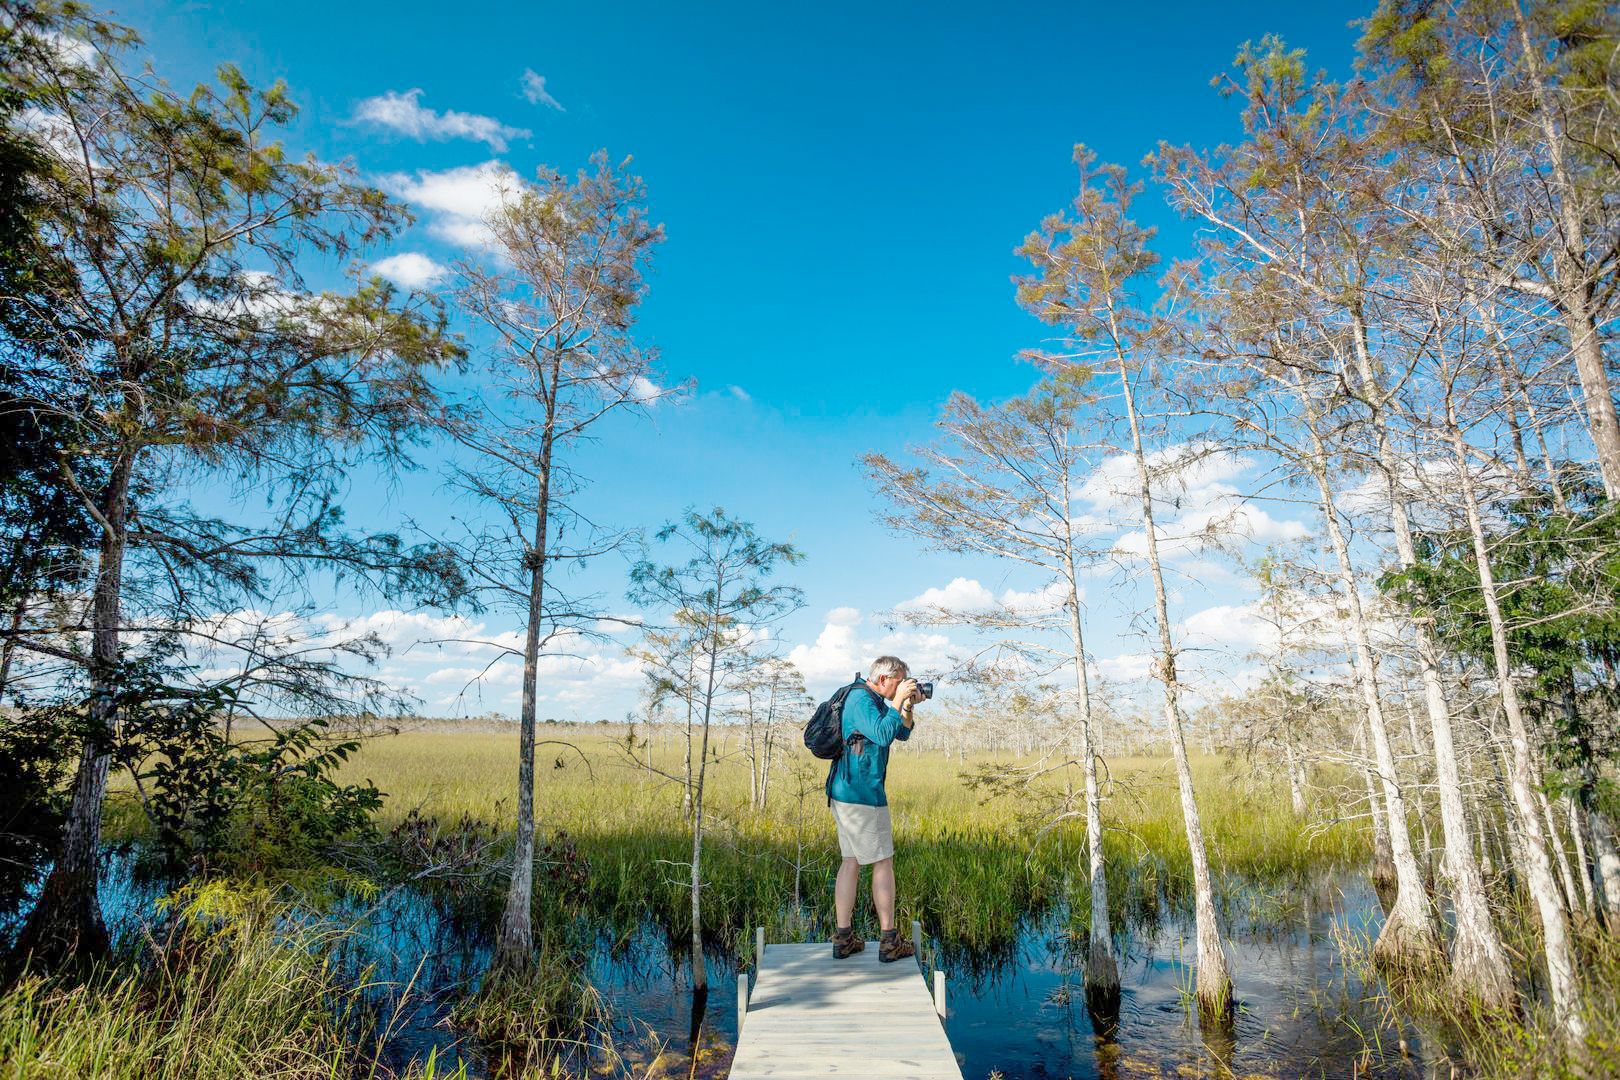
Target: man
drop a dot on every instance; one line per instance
(861, 808)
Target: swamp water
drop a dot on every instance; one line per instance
(1017, 1012)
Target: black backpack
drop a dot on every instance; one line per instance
(824, 734)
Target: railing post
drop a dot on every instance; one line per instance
(916, 938)
(742, 999)
(939, 994)
(759, 946)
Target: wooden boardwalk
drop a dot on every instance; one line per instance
(812, 1016)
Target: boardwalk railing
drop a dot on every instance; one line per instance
(812, 1016)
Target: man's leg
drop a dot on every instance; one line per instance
(849, 880)
(891, 946)
(882, 892)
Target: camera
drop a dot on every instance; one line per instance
(927, 689)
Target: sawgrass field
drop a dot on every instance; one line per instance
(972, 860)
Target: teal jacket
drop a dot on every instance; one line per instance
(870, 726)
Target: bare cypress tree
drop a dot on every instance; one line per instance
(770, 689)
(1457, 364)
(1086, 270)
(1002, 482)
(1305, 201)
(557, 308)
(717, 601)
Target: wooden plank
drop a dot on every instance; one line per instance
(812, 1016)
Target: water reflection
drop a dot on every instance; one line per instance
(1020, 1009)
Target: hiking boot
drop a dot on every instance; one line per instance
(893, 947)
(845, 943)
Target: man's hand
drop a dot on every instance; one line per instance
(907, 694)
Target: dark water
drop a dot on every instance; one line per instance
(1019, 1013)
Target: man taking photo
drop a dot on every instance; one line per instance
(860, 806)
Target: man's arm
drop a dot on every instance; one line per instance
(868, 717)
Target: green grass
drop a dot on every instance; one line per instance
(233, 991)
(969, 868)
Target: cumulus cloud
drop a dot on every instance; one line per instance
(839, 650)
(460, 199)
(405, 114)
(962, 594)
(966, 596)
(411, 269)
(535, 92)
(1195, 503)
(1038, 601)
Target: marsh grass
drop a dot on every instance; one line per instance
(1476, 1041)
(238, 987)
(973, 869)
(970, 869)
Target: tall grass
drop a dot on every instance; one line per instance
(970, 869)
(235, 990)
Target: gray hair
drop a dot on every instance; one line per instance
(884, 666)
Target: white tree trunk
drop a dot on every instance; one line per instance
(1102, 970)
(1561, 977)
(1479, 964)
(1411, 934)
(1214, 984)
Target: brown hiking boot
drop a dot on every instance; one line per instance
(893, 947)
(845, 943)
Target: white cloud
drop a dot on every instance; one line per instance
(56, 134)
(1038, 601)
(967, 596)
(1126, 667)
(834, 654)
(839, 651)
(535, 92)
(410, 269)
(739, 393)
(962, 595)
(844, 616)
(461, 199)
(1195, 505)
(405, 114)
(1234, 627)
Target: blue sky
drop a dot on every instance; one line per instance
(843, 187)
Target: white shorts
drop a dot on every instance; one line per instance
(865, 833)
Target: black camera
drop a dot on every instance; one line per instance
(927, 689)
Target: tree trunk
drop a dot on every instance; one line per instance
(514, 942)
(1296, 780)
(1572, 282)
(1561, 978)
(1214, 984)
(1577, 834)
(66, 926)
(1479, 964)
(1383, 864)
(1102, 970)
(1410, 935)
(1418, 806)
(700, 974)
(1605, 867)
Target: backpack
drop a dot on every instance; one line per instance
(824, 734)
